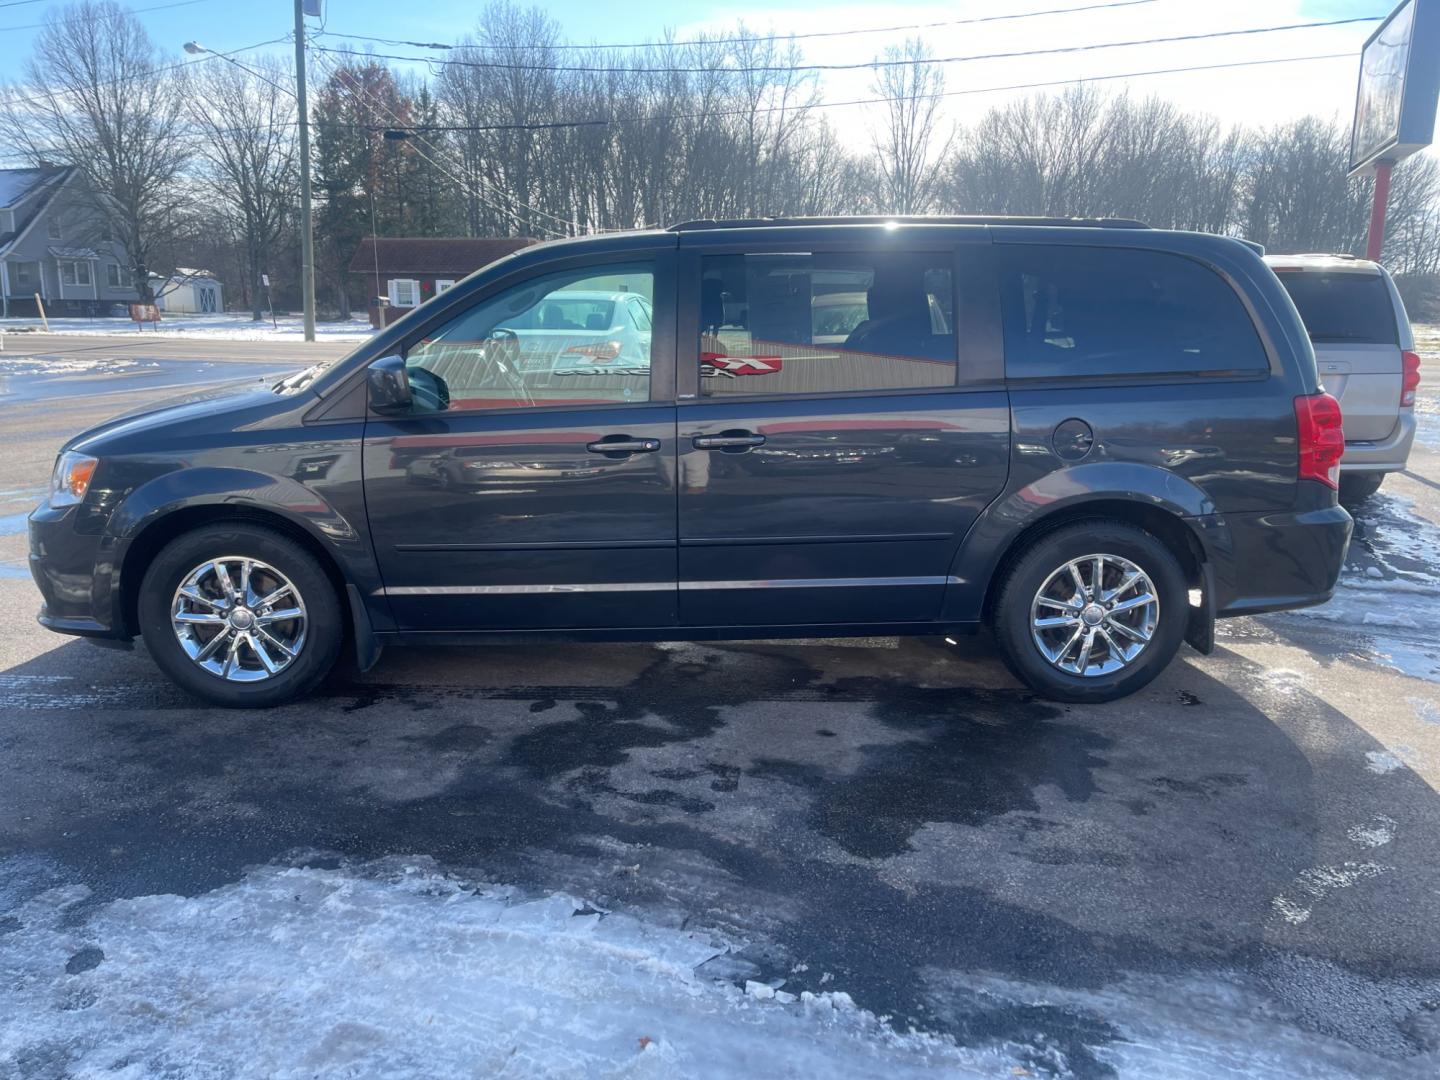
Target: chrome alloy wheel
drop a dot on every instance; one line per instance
(239, 619)
(1094, 615)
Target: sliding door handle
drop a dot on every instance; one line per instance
(729, 440)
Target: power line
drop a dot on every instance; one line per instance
(609, 121)
(767, 68)
(756, 37)
(142, 74)
(20, 3)
(111, 15)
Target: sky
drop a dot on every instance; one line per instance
(1259, 95)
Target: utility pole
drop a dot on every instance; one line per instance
(307, 234)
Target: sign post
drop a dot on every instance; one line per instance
(1395, 101)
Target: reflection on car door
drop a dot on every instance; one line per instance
(838, 447)
(537, 499)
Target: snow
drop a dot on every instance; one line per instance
(396, 969)
(1389, 591)
(231, 327)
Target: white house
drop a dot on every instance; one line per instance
(188, 292)
(52, 243)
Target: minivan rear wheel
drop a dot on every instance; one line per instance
(240, 615)
(1092, 611)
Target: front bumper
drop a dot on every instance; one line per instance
(76, 573)
(1385, 455)
(1275, 561)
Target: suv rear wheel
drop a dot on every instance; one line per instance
(1092, 611)
(1355, 488)
(240, 615)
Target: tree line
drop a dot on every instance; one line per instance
(195, 162)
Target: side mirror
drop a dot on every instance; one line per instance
(389, 385)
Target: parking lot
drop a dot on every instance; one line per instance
(867, 857)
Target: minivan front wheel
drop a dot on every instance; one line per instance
(1092, 612)
(240, 615)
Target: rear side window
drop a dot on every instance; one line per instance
(1342, 307)
(1083, 312)
(815, 324)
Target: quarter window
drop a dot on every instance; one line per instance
(808, 324)
(1120, 312)
(562, 339)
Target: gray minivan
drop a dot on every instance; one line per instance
(1091, 437)
(1366, 356)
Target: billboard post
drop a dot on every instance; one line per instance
(1395, 101)
(1375, 238)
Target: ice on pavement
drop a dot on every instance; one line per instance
(1389, 590)
(396, 970)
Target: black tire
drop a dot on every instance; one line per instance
(1355, 488)
(1051, 552)
(324, 629)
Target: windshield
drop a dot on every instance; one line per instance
(1343, 307)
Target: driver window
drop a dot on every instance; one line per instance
(563, 339)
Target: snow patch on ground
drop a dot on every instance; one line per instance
(34, 365)
(398, 970)
(1378, 832)
(1388, 595)
(1318, 882)
(236, 327)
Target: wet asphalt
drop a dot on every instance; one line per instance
(1252, 840)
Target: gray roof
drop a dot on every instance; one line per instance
(16, 184)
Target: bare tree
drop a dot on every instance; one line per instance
(96, 97)
(910, 141)
(247, 154)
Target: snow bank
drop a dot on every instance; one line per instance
(234, 327)
(398, 970)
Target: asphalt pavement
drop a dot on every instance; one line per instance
(1234, 872)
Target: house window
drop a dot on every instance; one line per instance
(52, 227)
(112, 276)
(404, 292)
(74, 272)
(25, 275)
(441, 284)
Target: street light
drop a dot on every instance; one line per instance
(307, 234)
(194, 48)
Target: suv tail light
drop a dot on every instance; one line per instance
(1410, 380)
(1321, 438)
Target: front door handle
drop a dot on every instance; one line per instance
(728, 440)
(620, 445)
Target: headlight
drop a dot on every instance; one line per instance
(72, 478)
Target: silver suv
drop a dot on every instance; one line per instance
(1366, 356)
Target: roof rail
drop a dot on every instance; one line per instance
(908, 219)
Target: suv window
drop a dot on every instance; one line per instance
(562, 339)
(1090, 311)
(1342, 307)
(814, 324)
